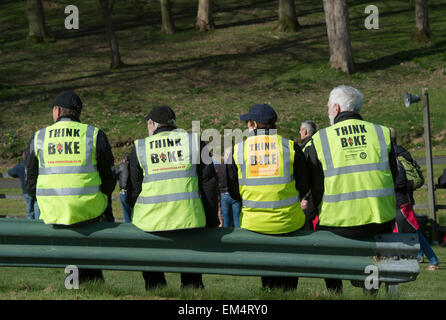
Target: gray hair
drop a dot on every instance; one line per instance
(310, 126)
(348, 98)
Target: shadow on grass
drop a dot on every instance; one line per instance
(399, 57)
(132, 72)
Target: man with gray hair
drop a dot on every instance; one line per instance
(306, 131)
(354, 168)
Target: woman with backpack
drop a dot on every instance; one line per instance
(410, 178)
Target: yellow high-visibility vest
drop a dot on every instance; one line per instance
(270, 201)
(170, 197)
(68, 184)
(358, 183)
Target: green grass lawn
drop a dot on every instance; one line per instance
(39, 283)
(214, 77)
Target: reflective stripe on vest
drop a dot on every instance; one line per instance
(359, 195)
(330, 171)
(358, 184)
(88, 167)
(271, 204)
(192, 172)
(270, 201)
(170, 197)
(68, 194)
(67, 191)
(286, 178)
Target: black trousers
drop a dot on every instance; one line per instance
(356, 232)
(285, 283)
(90, 275)
(157, 279)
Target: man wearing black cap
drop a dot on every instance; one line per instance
(69, 170)
(269, 175)
(170, 188)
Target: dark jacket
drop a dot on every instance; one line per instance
(18, 171)
(104, 158)
(207, 181)
(312, 211)
(317, 173)
(122, 173)
(301, 175)
(222, 178)
(304, 142)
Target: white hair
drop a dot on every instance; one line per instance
(348, 98)
(310, 126)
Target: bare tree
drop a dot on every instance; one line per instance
(287, 16)
(109, 31)
(205, 19)
(337, 20)
(423, 31)
(168, 26)
(36, 21)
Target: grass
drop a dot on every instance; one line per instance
(39, 283)
(216, 76)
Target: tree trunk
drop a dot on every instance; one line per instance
(287, 16)
(423, 31)
(205, 19)
(36, 21)
(168, 26)
(111, 37)
(336, 18)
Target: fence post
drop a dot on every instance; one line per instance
(429, 166)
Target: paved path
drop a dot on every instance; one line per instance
(436, 160)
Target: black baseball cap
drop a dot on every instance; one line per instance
(262, 113)
(67, 100)
(161, 114)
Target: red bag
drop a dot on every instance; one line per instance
(406, 220)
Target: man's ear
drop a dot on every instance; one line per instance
(56, 113)
(337, 108)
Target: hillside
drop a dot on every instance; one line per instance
(215, 76)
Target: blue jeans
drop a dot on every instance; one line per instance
(32, 208)
(425, 248)
(230, 210)
(125, 206)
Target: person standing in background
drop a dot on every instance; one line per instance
(122, 173)
(406, 219)
(230, 208)
(18, 171)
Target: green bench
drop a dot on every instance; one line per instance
(228, 251)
